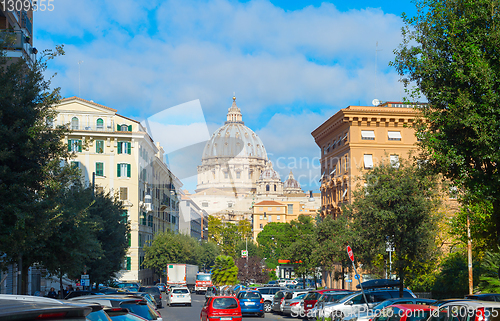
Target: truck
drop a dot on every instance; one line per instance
(203, 282)
(179, 274)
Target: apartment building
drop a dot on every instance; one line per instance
(117, 153)
(193, 219)
(354, 140)
(16, 30)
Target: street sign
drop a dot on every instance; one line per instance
(349, 252)
(244, 253)
(85, 282)
(85, 276)
(356, 276)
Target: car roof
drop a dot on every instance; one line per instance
(25, 309)
(408, 307)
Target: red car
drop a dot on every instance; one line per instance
(312, 297)
(405, 312)
(221, 308)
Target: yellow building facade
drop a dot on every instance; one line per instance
(356, 139)
(117, 153)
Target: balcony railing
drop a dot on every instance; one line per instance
(17, 45)
(87, 127)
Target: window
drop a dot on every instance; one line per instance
(270, 209)
(229, 204)
(75, 164)
(238, 174)
(275, 187)
(124, 148)
(368, 135)
(123, 170)
(150, 220)
(345, 192)
(124, 193)
(75, 145)
(99, 146)
(129, 263)
(143, 218)
(345, 163)
(99, 189)
(100, 124)
(392, 135)
(249, 175)
(270, 218)
(394, 161)
(368, 161)
(260, 226)
(290, 208)
(333, 170)
(99, 169)
(278, 217)
(74, 123)
(124, 128)
(261, 217)
(124, 217)
(226, 175)
(204, 204)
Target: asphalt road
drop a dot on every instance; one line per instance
(192, 313)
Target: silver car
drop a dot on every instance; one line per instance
(292, 306)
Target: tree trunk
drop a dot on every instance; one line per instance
(343, 273)
(496, 217)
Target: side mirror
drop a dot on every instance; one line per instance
(349, 302)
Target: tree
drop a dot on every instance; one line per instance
(169, 247)
(397, 205)
(225, 272)
(30, 151)
(273, 239)
(251, 270)
(450, 51)
(490, 268)
(206, 255)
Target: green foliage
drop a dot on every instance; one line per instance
(273, 239)
(489, 281)
(169, 247)
(450, 51)
(452, 281)
(225, 272)
(29, 159)
(398, 205)
(302, 250)
(228, 235)
(206, 254)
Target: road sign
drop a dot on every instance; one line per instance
(85, 276)
(244, 253)
(356, 276)
(85, 282)
(349, 252)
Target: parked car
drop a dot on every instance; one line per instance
(328, 298)
(405, 312)
(129, 286)
(469, 310)
(120, 314)
(484, 297)
(155, 292)
(221, 308)
(278, 299)
(268, 295)
(292, 306)
(312, 297)
(136, 305)
(366, 316)
(251, 302)
(355, 303)
(179, 295)
(162, 287)
(74, 294)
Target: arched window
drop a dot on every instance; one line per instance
(100, 124)
(74, 123)
(267, 188)
(124, 128)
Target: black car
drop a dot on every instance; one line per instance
(155, 292)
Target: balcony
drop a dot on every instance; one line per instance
(16, 45)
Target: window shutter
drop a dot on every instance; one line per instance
(129, 236)
(79, 145)
(129, 128)
(129, 263)
(118, 173)
(69, 145)
(117, 128)
(119, 147)
(129, 146)
(128, 170)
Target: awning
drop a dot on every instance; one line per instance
(368, 161)
(368, 134)
(394, 135)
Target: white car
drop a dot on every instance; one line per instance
(179, 295)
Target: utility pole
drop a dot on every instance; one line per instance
(469, 253)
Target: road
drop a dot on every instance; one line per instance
(192, 313)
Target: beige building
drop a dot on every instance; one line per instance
(121, 157)
(354, 140)
(18, 40)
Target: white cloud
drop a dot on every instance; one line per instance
(141, 56)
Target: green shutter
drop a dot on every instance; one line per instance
(129, 128)
(129, 236)
(129, 263)
(117, 128)
(128, 170)
(69, 145)
(119, 147)
(79, 145)
(129, 147)
(118, 172)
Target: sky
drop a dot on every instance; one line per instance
(291, 65)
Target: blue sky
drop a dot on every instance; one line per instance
(292, 64)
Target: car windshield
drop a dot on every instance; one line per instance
(249, 295)
(99, 315)
(346, 298)
(153, 290)
(300, 297)
(180, 291)
(383, 304)
(312, 296)
(203, 277)
(141, 310)
(225, 303)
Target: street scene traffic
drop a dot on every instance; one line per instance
(231, 160)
